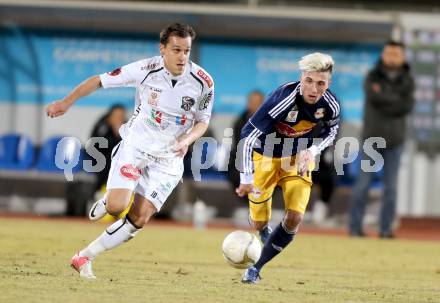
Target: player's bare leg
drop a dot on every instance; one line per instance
(292, 220)
(113, 201)
(141, 211)
(263, 228)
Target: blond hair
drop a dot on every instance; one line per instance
(316, 62)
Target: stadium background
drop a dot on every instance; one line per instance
(47, 47)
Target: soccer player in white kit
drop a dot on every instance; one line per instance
(174, 98)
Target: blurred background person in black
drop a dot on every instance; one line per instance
(108, 127)
(79, 193)
(325, 179)
(255, 99)
(389, 89)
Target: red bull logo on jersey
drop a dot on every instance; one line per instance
(256, 192)
(130, 172)
(205, 77)
(298, 130)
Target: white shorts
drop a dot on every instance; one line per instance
(152, 177)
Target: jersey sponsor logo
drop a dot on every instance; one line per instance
(187, 103)
(150, 158)
(130, 172)
(156, 115)
(165, 188)
(150, 66)
(204, 102)
(320, 113)
(298, 130)
(156, 120)
(205, 77)
(292, 115)
(152, 100)
(115, 72)
(135, 114)
(153, 194)
(153, 96)
(181, 120)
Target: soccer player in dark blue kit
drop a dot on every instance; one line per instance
(278, 147)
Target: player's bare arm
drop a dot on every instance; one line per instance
(60, 107)
(186, 140)
(305, 158)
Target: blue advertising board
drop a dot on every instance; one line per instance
(38, 66)
(240, 68)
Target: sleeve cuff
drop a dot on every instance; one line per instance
(246, 178)
(103, 79)
(314, 150)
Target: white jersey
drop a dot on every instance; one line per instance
(167, 106)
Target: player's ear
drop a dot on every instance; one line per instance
(161, 48)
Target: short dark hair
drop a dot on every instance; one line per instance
(395, 43)
(176, 29)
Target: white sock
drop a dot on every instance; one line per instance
(119, 232)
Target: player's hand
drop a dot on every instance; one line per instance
(244, 189)
(181, 148)
(57, 108)
(304, 159)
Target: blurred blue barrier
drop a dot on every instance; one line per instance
(16, 152)
(68, 152)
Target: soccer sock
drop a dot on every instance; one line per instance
(265, 233)
(265, 228)
(119, 232)
(276, 242)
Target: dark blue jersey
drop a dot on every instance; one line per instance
(285, 124)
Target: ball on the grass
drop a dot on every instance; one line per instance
(241, 249)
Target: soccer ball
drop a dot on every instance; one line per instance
(241, 249)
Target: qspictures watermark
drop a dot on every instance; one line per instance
(207, 153)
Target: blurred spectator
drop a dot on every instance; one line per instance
(205, 155)
(325, 179)
(79, 193)
(108, 128)
(188, 192)
(389, 99)
(255, 99)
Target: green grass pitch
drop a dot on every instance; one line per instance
(175, 264)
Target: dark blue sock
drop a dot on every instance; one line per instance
(276, 242)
